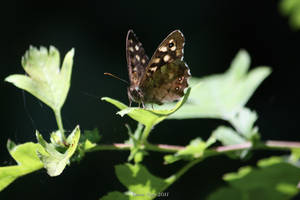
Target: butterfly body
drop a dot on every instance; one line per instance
(161, 79)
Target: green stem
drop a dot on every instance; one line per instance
(59, 123)
(145, 134)
(110, 147)
(126, 147)
(182, 171)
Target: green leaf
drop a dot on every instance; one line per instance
(26, 157)
(139, 181)
(295, 155)
(90, 138)
(56, 139)
(115, 196)
(195, 149)
(228, 136)
(222, 96)
(46, 80)
(54, 161)
(274, 178)
(147, 117)
(291, 8)
(243, 122)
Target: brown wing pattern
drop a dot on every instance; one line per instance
(166, 74)
(137, 59)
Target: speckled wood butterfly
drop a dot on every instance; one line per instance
(161, 79)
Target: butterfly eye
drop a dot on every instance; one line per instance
(171, 44)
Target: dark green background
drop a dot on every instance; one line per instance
(214, 32)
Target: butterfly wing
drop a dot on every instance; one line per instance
(137, 59)
(166, 74)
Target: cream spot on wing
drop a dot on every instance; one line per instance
(163, 49)
(166, 58)
(178, 52)
(131, 49)
(130, 41)
(137, 47)
(143, 61)
(173, 48)
(153, 68)
(181, 79)
(156, 60)
(137, 57)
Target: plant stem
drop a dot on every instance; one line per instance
(145, 134)
(182, 171)
(126, 147)
(165, 148)
(59, 123)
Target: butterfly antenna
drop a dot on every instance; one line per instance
(109, 74)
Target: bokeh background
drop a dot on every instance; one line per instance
(214, 32)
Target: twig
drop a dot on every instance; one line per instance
(270, 144)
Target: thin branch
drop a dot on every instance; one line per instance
(234, 147)
(182, 171)
(282, 144)
(270, 144)
(59, 123)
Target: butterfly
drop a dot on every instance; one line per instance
(160, 79)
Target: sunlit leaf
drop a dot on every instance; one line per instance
(55, 161)
(45, 79)
(222, 96)
(228, 136)
(148, 117)
(291, 8)
(27, 161)
(243, 122)
(139, 181)
(274, 178)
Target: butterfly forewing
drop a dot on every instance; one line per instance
(166, 74)
(170, 49)
(137, 59)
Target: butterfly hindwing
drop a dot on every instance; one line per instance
(137, 59)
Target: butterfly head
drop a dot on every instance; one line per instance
(135, 94)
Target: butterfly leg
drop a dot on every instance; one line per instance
(143, 105)
(129, 98)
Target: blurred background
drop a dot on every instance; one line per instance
(214, 32)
